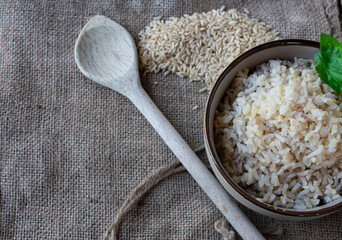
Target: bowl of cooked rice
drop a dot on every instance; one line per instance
(273, 132)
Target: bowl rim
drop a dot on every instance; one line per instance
(211, 145)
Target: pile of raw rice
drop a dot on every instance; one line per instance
(278, 131)
(199, 46)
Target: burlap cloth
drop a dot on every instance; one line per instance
(71, 150)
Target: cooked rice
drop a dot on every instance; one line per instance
(278, 132)
(199, 46)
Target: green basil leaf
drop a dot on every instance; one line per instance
(318, 57)
(327, 79)
(322, 73)
(331, 56)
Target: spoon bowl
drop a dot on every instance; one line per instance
(105, 52)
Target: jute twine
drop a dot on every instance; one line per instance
(138, 193)
(221, 225)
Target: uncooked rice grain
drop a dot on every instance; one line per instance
(278, 133)
(201, 45)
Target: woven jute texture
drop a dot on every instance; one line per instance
(71, 150)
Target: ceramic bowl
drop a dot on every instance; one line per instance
(282, 49)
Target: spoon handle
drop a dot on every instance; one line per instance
(194, 165)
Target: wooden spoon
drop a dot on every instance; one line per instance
(105, 52)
